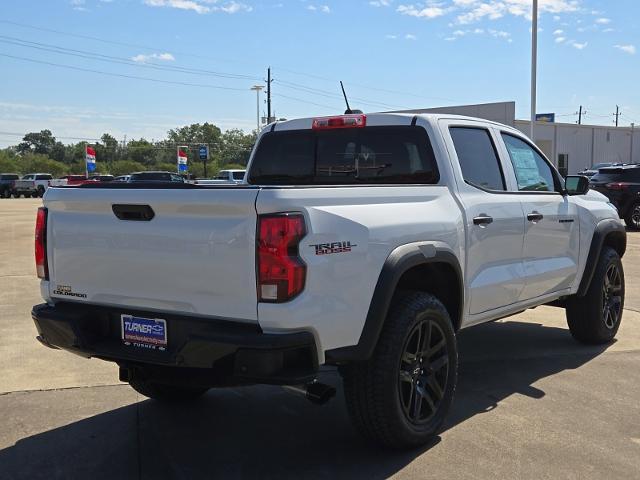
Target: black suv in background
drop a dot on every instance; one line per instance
(6, 183)
(621, 184)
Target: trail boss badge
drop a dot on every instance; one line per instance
(334, 247)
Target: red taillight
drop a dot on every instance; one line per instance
(618, 186)
(281, 271)
(41, 244)
(342, 121)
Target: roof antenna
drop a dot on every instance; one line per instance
(348, 111)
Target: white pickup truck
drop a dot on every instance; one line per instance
(358, 241)
(32, 185)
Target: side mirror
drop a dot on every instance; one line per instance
(576, 185)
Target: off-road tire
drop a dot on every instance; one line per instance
(374, 391)
(588, 317)
(167, 393)
(633, 217)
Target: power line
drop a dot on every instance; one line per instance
(122, 75)
(193, 55)
(328, 94)
(120, 60)
(295, 99)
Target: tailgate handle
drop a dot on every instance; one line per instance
(136, 213)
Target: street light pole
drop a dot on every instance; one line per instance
(258, 89)
(534, 65)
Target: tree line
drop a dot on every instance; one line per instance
(41, 152)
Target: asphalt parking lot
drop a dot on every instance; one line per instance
(531, 404)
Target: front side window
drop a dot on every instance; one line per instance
(532, 172)
(478, 159)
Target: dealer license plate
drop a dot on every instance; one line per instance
(144, 332)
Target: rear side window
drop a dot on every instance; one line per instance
(384, 155)
(9, 177)
(43, 177)
(238, 175)
(478, 159)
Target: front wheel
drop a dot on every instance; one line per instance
(401, 395)
(633, 217)
(166, 393)
(595, 318)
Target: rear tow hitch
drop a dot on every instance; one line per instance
(315, 392)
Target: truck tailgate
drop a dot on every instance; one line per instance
(196, 255)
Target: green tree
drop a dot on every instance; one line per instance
(38, 142)
(236, 147)
(8, 163)
(36, 162)
(141, 151)
(125, 167)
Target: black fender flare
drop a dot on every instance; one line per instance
(603, 229)
(399, 261)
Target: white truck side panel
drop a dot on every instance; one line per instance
(339, 287)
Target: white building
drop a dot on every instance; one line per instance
(570, 147)
(582, 146)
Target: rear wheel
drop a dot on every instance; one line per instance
(595, 318)
(40, 192)
(166, 393)
(400, 397)
(633, 217)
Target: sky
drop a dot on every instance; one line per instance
(137, 68)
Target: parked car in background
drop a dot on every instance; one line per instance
(155, 177)
(102, 178)
(234, 176)
(31, 185)
(590, 172)
(67, 180)
(122, 178)
(621, 184)
(6, 183)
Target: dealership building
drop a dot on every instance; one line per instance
(569, 146)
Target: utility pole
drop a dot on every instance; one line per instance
(269, 95)
(617, 114)
(631, 149)
(534, 65)
(580, 116)
(258, 89)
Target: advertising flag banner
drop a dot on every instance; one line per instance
(90, 157)
(182, 159)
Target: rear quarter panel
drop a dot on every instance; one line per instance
(375, 220)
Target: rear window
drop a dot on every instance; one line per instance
(613, 174)
(385, 155)
(9, 177)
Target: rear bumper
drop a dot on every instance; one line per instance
(207, 351)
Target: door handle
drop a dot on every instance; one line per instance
(535, 216)
(137, 213)
(483, 220)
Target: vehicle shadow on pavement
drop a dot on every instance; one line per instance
(266, 432)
